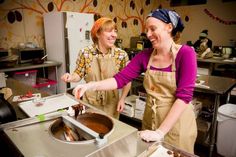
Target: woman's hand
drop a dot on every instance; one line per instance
(80, 89)
(66, 77)
(121, 105)
(150, 135)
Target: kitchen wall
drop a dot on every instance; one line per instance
(21, 20)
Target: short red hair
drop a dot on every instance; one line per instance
(101, 24)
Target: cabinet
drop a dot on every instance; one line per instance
(46, 70)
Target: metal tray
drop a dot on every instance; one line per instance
(51, 104)
(175, 151)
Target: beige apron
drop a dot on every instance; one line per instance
(161, 87)
(103, 68)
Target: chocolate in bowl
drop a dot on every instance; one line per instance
(60, 130)
(96, 122)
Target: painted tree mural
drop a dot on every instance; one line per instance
(133, 10)
(21, 20)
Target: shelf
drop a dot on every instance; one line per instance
(49, 73)
(26, 66)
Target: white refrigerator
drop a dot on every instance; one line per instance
(65, 34)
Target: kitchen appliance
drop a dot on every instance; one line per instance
(8, 61)
(3, 53)
(41, 135)
(65, 34)
(26, 55)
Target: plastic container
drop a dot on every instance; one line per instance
(26, 77)
(46, 85)
(226, 139)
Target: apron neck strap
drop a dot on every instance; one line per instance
(173, 68)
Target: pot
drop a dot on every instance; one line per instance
(97, 122)
(61, 130)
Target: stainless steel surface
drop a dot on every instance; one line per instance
(33, 138)
(81, 126)
(174, 150)
(82, 129)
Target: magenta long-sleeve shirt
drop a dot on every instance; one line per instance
(186, 70)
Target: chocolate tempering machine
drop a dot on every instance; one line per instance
(88, 133)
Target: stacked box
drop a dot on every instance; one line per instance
(26, 77)
(46, 85)
(139, 108)
(129, 105)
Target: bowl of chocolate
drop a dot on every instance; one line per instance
(66, 132)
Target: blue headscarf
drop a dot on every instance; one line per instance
(169, 16)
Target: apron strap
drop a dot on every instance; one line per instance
(173, 68)
(149, 62)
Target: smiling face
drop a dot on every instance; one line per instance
(158, 32)
(107, 37)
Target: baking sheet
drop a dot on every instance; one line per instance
(51, 104)
(159, 149)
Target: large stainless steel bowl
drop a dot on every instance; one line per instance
(99, 123)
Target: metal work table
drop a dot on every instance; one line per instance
(218, 61)
(121, 131)
(218, 86)
(212, 62)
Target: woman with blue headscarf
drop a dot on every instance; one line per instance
(170, 73)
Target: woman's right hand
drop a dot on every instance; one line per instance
(80, 89)
(66, 77)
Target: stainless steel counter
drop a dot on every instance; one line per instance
(218, 86)
(32, 138)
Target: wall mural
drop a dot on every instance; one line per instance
(21, 21)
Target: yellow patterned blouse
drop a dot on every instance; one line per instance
(86, 55)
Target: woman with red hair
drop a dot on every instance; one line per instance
(100, 61)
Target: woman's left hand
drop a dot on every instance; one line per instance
(121, 105)
(150, 135)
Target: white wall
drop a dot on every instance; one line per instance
(199, 20)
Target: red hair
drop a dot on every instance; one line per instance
(101, 24)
